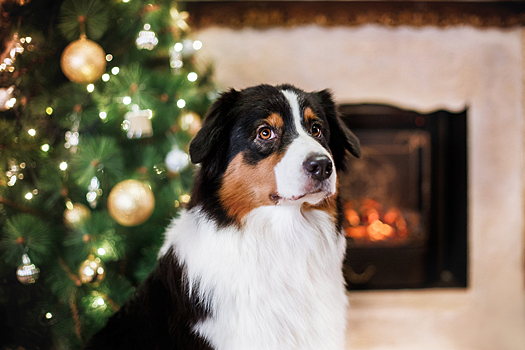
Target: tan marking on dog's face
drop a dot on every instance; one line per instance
(275, 120)
(246, 187)
(309, 116)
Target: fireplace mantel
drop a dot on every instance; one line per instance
(267, 14)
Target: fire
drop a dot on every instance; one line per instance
(368, 222)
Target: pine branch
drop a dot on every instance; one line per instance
(76, 318)
(71, 275)
(21, 207)
(111, 303)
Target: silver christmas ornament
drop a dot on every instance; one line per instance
(177, 160)
(27, 273)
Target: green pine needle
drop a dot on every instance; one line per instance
(100, 157)
(96, 15)
(26, 231)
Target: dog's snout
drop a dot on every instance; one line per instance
(318, 167)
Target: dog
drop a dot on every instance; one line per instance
(255, 260)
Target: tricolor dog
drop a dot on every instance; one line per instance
(255, 260)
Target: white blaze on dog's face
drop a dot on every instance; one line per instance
(306, 173)
(267, 146)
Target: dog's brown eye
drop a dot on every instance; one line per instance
(265, 133)
(316, 130)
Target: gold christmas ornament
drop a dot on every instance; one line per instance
(83, 61)
(131, 202)
(27, 273)
(92, 271)
(77, 215)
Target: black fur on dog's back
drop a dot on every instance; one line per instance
(158, 315)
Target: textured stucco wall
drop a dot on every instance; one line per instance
(423, 69)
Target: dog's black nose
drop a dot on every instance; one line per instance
(318, 167)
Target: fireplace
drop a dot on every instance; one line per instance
(405, 200)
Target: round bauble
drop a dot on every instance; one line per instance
(92, 271)
(77, 215)
(177, 160)
(27, 273)
(83, 61)
(131, 202)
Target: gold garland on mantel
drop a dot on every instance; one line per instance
(265, 14)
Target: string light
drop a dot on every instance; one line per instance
(192, 76)
(11, 103)
(49, 315)
(197, 44)
(101, 251)
(103, 115)
(28, 196)
(31, 132)
(109, 57)
(126, 100)
(105, 77)
(176, 64)
(90, 88)
(181, 103)
(115, 70)
(49, 110)
(63, 166)
(178, 47)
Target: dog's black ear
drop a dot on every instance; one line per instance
(341, 138)
(210, 138)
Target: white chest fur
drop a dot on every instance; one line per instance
(276, 284)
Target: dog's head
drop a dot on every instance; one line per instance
(265, 146)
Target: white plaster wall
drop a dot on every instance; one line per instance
(422, 69)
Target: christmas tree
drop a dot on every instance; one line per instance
(98, 102)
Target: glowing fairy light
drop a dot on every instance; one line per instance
(101, 251)
(11, 103)
(181, 103)
(103, 115)
(109, 57)
(90, 88)
(31, 132)
(49, 110)
(126, 100)
(192, 76)
(63, 166)
(105, 77)
(115, 70)
(197, 44)
(28, 196)
(178, 47)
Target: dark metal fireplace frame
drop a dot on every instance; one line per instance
(443, 260)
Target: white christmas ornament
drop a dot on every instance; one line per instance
(137, 123)
(177, 160)
(147, 39)
(6, 98)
